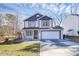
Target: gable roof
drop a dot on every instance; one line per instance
(45, 18)
(38, 16)
(34, 17)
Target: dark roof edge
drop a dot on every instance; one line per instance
(35, 28)
(58, 27)
(45, 16)
(32, 16)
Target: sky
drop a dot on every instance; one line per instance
(25, 10)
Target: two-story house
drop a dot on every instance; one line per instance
(40, 26)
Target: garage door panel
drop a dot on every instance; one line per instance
(50, 34)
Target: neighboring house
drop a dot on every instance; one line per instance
(71, 25)
(40, 27)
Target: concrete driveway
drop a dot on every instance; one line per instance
(59, 48)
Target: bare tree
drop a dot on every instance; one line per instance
(0, 20)
(11, 21)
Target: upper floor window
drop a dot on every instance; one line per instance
(45, 23)
(31, 23)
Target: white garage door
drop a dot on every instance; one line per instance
(50, 34)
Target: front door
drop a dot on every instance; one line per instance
(35, 34)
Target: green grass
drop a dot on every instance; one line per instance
(30, 48)
(74, 39)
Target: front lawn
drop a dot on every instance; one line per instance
(30, 48)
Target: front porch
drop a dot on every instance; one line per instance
(31, 34)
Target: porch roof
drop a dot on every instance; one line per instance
(34, 28)
(56, 27)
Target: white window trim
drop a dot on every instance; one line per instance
(43, 25)
(29, 32)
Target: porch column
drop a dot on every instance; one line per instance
(33, 34)
(39, 34)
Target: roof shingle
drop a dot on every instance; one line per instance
(45, 18)
(34, 17)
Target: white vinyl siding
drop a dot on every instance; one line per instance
(32, 23)
(26, 24)
(37, 23)
(71, 22)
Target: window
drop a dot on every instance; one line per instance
(29, 33)
(32, 23)
(45, 23)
